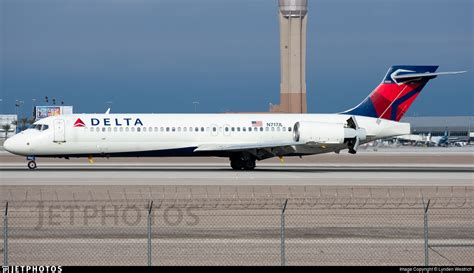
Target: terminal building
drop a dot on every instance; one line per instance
(461, 127)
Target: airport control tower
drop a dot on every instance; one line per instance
(292, 16)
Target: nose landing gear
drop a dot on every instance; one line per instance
(31, 162)
(32, 165)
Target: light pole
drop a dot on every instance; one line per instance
(195, 106)
(17, 106)
(33, 105)
(21, 104)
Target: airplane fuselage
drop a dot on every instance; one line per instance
(124, 135)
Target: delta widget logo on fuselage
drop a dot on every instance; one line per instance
(110, 122)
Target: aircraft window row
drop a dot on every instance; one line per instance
(179, 129)
(39, 127)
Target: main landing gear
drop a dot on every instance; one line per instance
(242, 162)
(31, 162)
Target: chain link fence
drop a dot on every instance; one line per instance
(311, 230)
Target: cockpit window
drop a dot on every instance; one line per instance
(39, 127)
(36, 127)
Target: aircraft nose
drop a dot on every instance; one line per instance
(14, 146)
(8, 145)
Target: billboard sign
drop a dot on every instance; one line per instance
(48, 111)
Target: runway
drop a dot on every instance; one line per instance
(221, 174)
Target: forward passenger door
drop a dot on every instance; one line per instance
(59, 131)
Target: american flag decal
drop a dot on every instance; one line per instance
(257, 123)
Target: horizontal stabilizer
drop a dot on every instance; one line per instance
(408, 75)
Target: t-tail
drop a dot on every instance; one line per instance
(398, 90)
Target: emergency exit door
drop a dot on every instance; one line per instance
(59, 131)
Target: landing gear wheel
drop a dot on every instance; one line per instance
(242, 162)
(236, 165)
(249, 165)
(32, 165)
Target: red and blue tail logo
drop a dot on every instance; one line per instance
(399, 89)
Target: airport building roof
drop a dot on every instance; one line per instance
(441, 123)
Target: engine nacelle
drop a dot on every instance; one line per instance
(325, 133)
(318, 132)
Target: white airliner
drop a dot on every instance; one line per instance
(243, 138)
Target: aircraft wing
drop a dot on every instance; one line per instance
(244, 146)
(267, 150)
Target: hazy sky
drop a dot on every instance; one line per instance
(160, 56)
